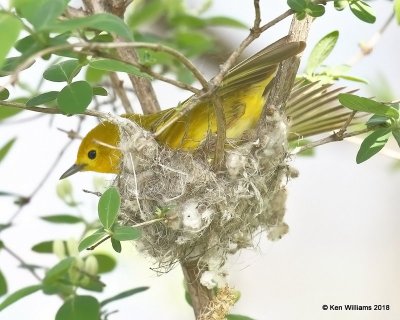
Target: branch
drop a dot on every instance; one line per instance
(284, 79)
(16, 105)
(117, 85)
(336, 136)
(367, 47)
(199, 294)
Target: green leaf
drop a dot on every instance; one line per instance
(145, 11)
(357, 103)
(18, 295)
(100, 91)
(362, 11)
(116, 245)
(124, 233)
(92, 239)
(6, 148)
(4, 93)
(123, 295)
(94, 284)
(11, 28)
(40, 13)
(43, 98)
(116, 66)
(297, 5)
(321, 51)
(3, 284)
(397, 10)
(237, 317)
(44, 247)
(225, 22)
(396, 135)
(102, 21)
(7, 112)
(63, 71)
(10, 64)
(300, 143)
(372, 144)
(79, 308)
(188, 298)
(105, 262)
(195, 43)
(188, 21)
(94, 75)
(376, 120)
(315, 10)
(340, 4)
(62, 218)
(74, 98)
(59, 270)
(108, 207)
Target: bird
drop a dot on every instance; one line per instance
(312, 109)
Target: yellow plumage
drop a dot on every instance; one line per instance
(242, 94)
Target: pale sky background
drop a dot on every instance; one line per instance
(343, 243)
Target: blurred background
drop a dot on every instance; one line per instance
(343, 242)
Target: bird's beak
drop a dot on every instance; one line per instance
(74, 169)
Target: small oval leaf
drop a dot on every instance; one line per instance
(362, 11)
(63, 71)
(18, 295)
(105, 262)
(79, 308)
(372, 144)
(117, 66)
(3, 284)
(62, 218)
(6, 148)
(357, 103)
(43, 98)
(74, 98)
(4, 93)
(102, 21)
(108, 207)
(124, 233)
(92, 239)
(321, 51)
(11, 27)
(59, 270)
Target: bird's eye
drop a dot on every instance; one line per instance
(92, 154)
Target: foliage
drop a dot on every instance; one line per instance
(79, 54)
(385, 121)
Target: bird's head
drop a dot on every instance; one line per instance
(98, 151)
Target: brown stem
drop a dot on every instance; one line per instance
(200, 295)
(287, 71)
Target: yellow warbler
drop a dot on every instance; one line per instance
(242, 93)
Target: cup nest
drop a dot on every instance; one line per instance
(208, 214)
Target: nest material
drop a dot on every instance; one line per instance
(209, 214)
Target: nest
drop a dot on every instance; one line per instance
(208, 214)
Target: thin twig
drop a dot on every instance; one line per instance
(332, 138)
(21, 261)
(47, 175)
(117, 85)
(367, 47)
